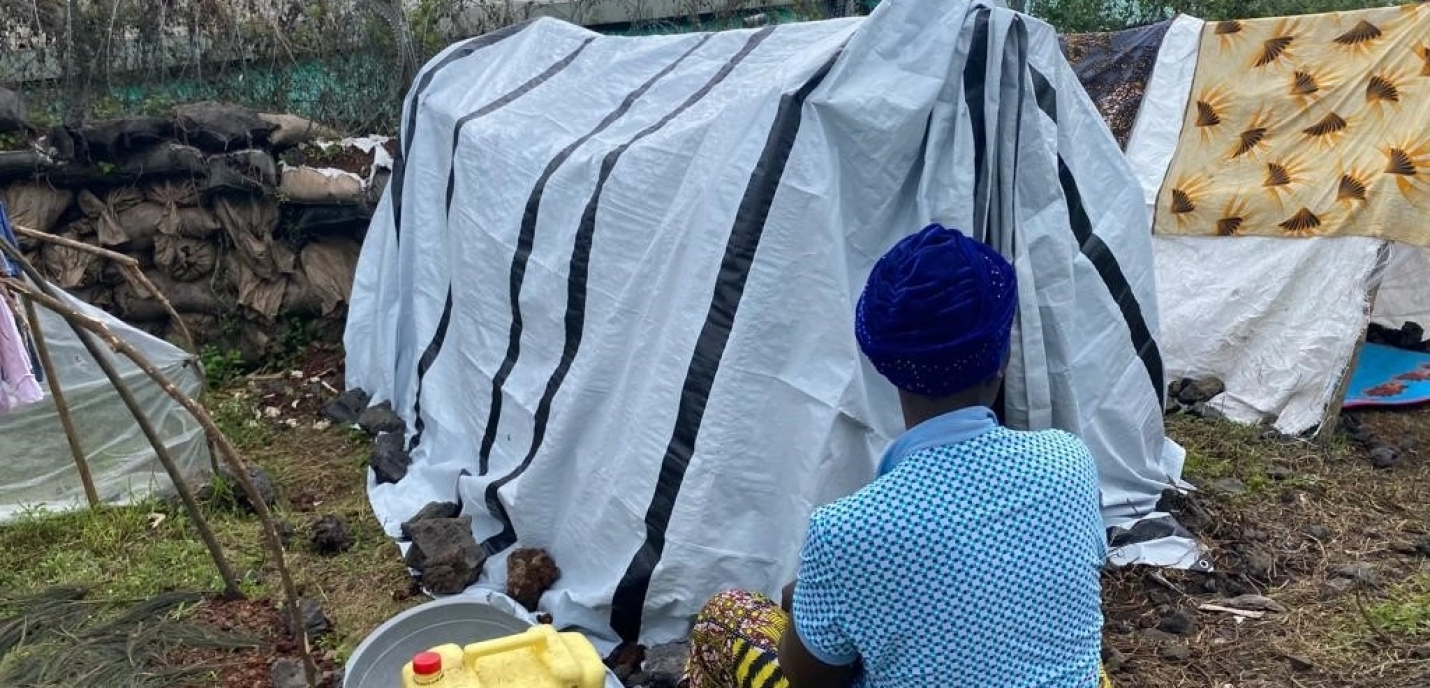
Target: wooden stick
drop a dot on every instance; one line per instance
(62, 408)
(138, 278)
(67, 242)
(128, 266)
(80, 323)
(230, 454)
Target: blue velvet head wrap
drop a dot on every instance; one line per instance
(936, 315)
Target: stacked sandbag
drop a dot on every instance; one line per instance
(244, 221)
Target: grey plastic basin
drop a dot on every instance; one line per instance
(378, 661)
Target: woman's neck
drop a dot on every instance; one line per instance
(918, 409)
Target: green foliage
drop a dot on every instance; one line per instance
(1407, 613)
(294, 339)
(221, 366)
(151, 543)
(242, 423)
(1077, 16)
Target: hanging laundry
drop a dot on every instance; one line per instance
(8, 267)
(20, 373)
(18, 385)
(11, 268)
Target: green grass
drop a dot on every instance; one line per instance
(1218, 449)
(1407, 611)
(125, 552)
(241, 421)
(135, 552)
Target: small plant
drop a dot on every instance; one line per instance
(317, 153)
(241, 422)
(221, 366)
(294, 340)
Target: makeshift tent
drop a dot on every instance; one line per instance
(610, 287)
(1286, 163)
(37, 467)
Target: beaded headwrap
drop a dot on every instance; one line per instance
(936, 315)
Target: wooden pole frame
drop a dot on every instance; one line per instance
(62, 409)
(86, 327)
(128, 266)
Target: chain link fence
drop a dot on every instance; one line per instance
(344, 63)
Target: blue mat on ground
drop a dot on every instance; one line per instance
(1387, 376)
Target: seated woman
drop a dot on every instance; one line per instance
(973, 557)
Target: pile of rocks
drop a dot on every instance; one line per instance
(1191, 396)
(243, 220)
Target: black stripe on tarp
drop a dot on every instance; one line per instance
(500, 103)
(1045, 95)
(527, 238)
(628, 602)
(399, 166)
(434, 346)
(576, 290)
(1097, 252)
(975, 75)
(429, 356)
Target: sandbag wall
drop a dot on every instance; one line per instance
(250, 224)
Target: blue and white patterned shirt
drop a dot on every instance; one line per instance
(973, 559)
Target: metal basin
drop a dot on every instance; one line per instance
(378, 661)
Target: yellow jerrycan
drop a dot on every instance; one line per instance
(539, 657)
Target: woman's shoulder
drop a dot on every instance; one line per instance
(1050, 438)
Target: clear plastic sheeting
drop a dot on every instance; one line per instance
(37, 470)
(610, 288)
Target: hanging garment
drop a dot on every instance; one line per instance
(8, 267)
(18, 385)
(11, 268)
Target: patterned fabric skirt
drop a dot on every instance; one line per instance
(736, 640)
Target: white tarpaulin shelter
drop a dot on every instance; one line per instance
(610, 288)
(1277, 320)
(37, 469)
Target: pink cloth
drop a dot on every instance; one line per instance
(18, 386)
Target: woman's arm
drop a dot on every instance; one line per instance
(802, 670)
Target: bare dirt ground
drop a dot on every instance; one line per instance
(1340, 546)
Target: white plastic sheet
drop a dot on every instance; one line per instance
(1403, 294)
(1277, 320)
(610, 287)
(37, 470)
(1164, 106)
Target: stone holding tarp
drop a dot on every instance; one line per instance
(243, 220)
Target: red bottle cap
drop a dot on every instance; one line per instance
(427, 664)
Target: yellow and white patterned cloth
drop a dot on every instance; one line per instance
(1307, 126)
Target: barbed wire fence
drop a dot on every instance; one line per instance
(343, 63)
